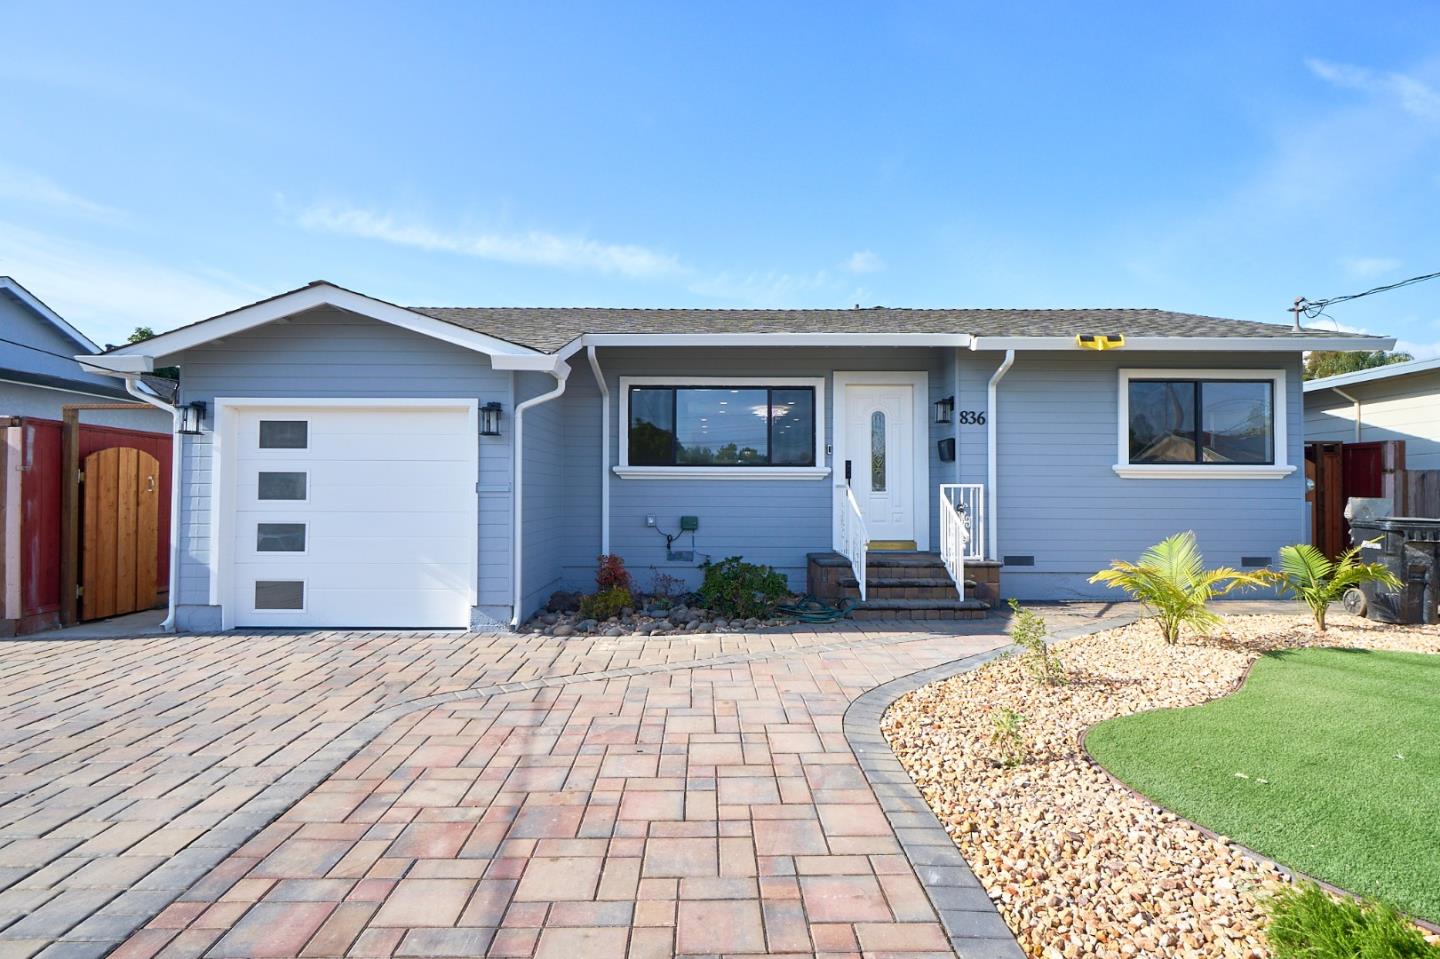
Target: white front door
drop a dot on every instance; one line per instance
(880, 457)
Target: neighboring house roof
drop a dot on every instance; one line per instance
(9, 287)
(549, 328)
(1392, 371)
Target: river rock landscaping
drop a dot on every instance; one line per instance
(648, 621)
(1076, 863)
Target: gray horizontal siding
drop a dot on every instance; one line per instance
(329, 353)
(775, 522)
(1061, 501)
(1405, 408)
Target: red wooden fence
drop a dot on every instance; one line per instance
(40, 489)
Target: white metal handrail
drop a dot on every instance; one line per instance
(854, 538)
(962, 528)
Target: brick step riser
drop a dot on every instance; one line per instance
(875, 591)
(917, 614)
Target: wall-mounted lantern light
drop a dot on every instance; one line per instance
(490, 419)
(192, 417)
(945, 410)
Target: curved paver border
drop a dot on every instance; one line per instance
(972, 923)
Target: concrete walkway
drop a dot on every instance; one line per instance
(456, 794)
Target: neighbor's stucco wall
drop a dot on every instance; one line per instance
(330, 353)
(1405, 408)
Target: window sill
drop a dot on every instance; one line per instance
(1182, 471)
(722, 472)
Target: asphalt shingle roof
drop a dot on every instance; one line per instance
(549, 328)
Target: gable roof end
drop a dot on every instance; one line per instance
(11, 287)
(311, 296)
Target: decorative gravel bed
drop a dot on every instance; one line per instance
(1077, 864)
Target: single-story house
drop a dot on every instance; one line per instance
(350, 462)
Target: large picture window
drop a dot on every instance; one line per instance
(721, 426)
(1202, 421)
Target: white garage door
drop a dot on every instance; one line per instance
(352, 516)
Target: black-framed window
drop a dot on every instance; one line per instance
(1202, 422)
(722, 426)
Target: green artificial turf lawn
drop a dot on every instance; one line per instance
(1328, 761)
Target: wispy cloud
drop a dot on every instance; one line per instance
(761, 288)
(106, 293)
(531, 248)
(1369, 267)
(1414, 96)
(864, 261)
(33, 189)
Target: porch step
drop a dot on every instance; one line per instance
(921, 609)
(905, 559)
(900, 587)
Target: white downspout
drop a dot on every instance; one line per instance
(992, 446)
(604, 451)
(176, 452)
(561, 374)
(1356, 401)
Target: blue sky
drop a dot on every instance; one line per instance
(164, 163)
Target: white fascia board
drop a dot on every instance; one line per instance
(34, 303)
(777, 339)
(308, 298)
(1209, 344)
(117, 364)
(540, 362)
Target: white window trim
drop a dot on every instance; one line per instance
(1277, 470)
(625, 471)
(920, 417)
(223, 457)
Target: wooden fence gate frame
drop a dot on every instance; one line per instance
(70, 505)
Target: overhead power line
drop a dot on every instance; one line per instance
(1314, 308)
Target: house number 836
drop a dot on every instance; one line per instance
(970, 417)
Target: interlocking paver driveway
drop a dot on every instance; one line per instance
(444, 794)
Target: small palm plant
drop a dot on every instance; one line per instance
(1172, 581)
(1313, 579)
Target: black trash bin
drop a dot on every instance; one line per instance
(1410, 547)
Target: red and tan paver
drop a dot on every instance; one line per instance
(705, 811)
(511, 795)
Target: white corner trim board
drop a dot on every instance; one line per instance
(1193, 471)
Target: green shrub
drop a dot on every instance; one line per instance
(1171, 579)
(735, 588)
(1310, 576)
(1005, 726)
(606, 604)
(1028, 632)
(1308, 923)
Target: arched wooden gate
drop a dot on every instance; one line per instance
(119, 532)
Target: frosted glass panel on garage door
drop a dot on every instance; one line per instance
(388, 516)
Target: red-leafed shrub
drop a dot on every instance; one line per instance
(612, 573)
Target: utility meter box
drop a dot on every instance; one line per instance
(689, 524)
